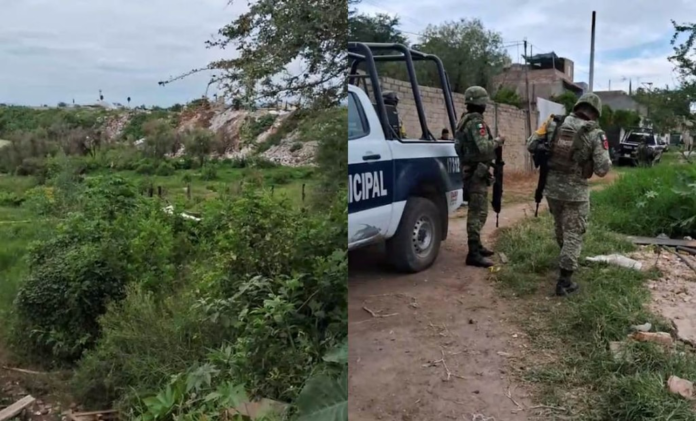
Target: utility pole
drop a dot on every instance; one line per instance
(610, 84)
(529, 100)
(592, 42)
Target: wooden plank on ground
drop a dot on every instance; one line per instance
(661, 241)
(93, 415)
(16, 408)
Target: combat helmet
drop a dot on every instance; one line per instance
(390, 98)
(592, 100)
(476, 95)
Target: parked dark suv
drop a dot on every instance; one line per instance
(628, 147)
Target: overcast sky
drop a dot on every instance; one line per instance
(632, 37)
(52, 51)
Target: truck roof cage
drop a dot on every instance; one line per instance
(363, 52)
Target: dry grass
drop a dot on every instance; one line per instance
(520, 186)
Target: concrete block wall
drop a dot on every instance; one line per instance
(511, 120)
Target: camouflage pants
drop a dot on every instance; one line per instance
(570, 220)
(477, 211)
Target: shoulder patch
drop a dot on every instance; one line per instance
(605, 141)
(482, 129)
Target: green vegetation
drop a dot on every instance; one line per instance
(181, 287)
(23, 119)
(651, 201)
(582, 375)
(254, 126)
(246, 302)
(508, 96)
(471, 54)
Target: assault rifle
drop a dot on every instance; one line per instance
(541, 160)
(497, 200)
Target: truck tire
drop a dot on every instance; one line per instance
(416, 244)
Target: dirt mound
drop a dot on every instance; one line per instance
(292, 153)
(228, 124)
(114, 124)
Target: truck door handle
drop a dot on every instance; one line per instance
(372, 157)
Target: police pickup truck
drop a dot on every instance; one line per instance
(401, 191)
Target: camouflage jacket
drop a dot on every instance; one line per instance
(473, 140)
(592, 148)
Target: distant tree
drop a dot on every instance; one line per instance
(626, 118)
(271, 35)
(666, 108)
(470, 53)
(160, 138)
(375, 28)
(567, 99)
(508, 96)
(684, 57)
(199, 144)
(62, 104)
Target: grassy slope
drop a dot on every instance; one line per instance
(19, 227)
(573, 367)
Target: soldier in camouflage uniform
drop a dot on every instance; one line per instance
(578, 149)
(644, 156)
(476, 149)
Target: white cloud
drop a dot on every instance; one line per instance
(55, 51)
(632, 38)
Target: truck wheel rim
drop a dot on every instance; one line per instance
(422, 238)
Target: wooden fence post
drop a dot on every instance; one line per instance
(303, 192)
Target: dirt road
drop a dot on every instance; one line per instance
(450, 312)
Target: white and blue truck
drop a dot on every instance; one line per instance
(401, 190)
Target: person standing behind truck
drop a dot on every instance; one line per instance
(644, 155)
(476, 146)
(576, 150)
(445, 134)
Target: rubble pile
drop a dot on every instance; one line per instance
(674, 292)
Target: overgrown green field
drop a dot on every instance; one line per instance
(166, 317)
(650, 201)
(579, 373)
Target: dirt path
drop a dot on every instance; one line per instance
(450, 310)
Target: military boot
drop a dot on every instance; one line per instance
(475, 258)
(565, 285)
(485, 252)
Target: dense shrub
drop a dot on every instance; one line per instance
(11, 199)
(209, 172)
(650, 201)
(116, 238)
(165, 169)
(145, 340)
(160, 139)
(33, 166)
(199, 144)
(331, 155)
(185, 163)
(146, 167)
(269, 285)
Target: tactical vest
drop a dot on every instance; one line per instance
(465, 144)
(564, 144)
